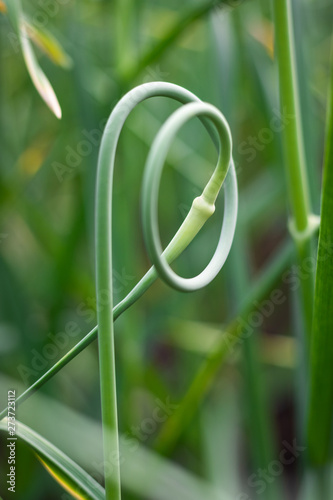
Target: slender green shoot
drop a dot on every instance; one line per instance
(202, 208)
(302, 223)
(71, 476)
(321, 354)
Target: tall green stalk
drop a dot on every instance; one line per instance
(202, 208)
(302, 222)
(321, 382)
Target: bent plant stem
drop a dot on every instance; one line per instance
(200, 211)
(302, 222)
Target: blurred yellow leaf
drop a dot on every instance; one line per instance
(3, 7)
(279, 350)
(263, 32)
(32, 159)
(49, 45)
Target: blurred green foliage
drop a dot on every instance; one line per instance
(223, 52)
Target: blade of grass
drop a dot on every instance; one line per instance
(145, 474)
(38, 77)
(73, 477)
(62, 479)
(321, 368)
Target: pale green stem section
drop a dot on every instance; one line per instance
(302, 223)
(203, 206)
(192, 224)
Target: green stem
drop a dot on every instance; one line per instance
(200, 211)
(320, 411)
(302, 222)
(294, 155)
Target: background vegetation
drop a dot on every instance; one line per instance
(249, 399)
